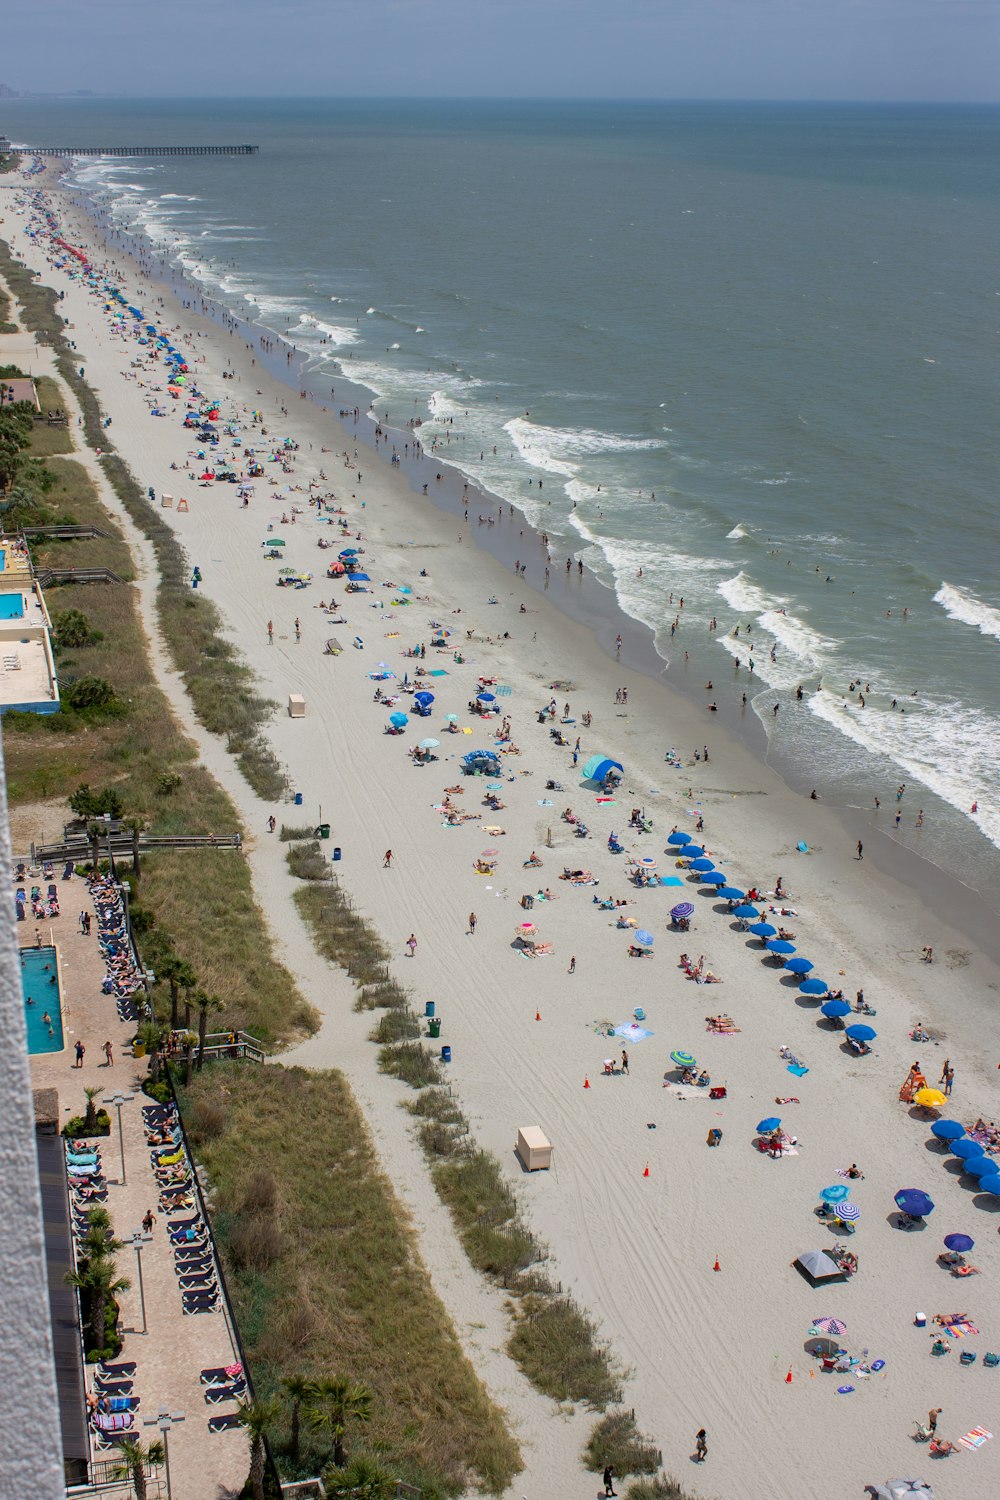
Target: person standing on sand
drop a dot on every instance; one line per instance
(861, 850)
(473, 919)
(411, 943)
(572, 965)
(80, 1050)
(932, 1419)
(387, 860)
(109, 1054)
(700, 1446)
(624, 1061)
(609, 1480)
(270, 632)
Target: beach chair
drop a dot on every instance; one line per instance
(967, 1357)
(714, 1137)
(991, 1361)
(216, 1394)
(224, 1423)
(220, 1374)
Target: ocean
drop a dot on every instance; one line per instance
(739, 355)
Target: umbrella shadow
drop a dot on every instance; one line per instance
(790, 982)
(988, 1202)
(898, 1220)
(921, 1113)
(808, 1002)
(936, 1147)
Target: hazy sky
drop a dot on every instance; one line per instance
(769, 49)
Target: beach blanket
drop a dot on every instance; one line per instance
(630, 1032)
(670, 880)
(956, 1325)
(976, 1438)
(437, 672)
(685, 1090)
(502, 690)
(797, 1069)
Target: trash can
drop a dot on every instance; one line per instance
(336, 853)
(298, 799)
(446, 1054)
(323, 831)
(434, 1027)
(428, 1007)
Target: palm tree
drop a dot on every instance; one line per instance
(97, 1241)
(257, 1417)
(362, 1478)
(90, 1115)
(152, 1035)
(297, 1389)
(96, 1282)
(179, 975)
(339, 1404)
(135, 827)
(205, 1003)
(135, 1460)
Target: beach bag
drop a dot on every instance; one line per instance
(718, 1093)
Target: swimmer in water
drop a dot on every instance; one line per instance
(46, 1019)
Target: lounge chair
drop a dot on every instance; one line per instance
(220, 1374)
(224, 1423)
(203, 1281)
(216, 1394)
(120, 1368)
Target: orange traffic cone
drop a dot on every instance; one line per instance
(538, 1015)
(586, 1083)
(716, 1267)
(646, 1172)
(788, 1377)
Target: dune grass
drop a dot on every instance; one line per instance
(46, 440)
(659, 1487)
(616, 1439)
(337, 1288)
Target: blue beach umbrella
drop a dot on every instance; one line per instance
(746, 912)
(681, 910)
(980, 1166)
(800, 965)
(835, 1193)
(848, 1213)
(714, 877)
(423, 698)
(679, 838)
(764, 1127)
(967, 1150)
(960, 1243)
(859, 1033)
(914, 1201)
(948, 1130)
(683, 1059)
(763, 930)
(644, 937)
(730, 893)
(990, 1185)
(781, 946)
(833, 1009)
(691, 851)
(814, 986)
(399, 721)
(703, 864)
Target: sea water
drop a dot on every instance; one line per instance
(779, 320)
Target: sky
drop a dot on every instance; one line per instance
(934, 50)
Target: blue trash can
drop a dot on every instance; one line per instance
(298, 799)
(446, 1054)
(336, 853)
(428, 1008)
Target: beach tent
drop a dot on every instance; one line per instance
(818, 1267)
(598, 767)
(901, 1489)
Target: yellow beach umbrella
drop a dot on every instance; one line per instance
(929, 1098)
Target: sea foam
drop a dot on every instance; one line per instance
(959, 604)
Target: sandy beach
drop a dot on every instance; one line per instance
(529, 1035)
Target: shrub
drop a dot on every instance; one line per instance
(260, 1196)
(167, 782)
(661, 1487)
(207, 1120)
(71, 630)
(554, 1343)
(617, 1440)
(255, 1243)
(75, 1129)
(396, 1026)
(289, 835)
(158, 1091)
(88, 804)
(90, 693)
(308, 862)
(412, 1063)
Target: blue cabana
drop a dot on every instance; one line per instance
(598, 767)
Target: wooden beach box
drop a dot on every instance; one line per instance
(534, 1149)
(296, 706)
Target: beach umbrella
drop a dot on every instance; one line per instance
(525, 929)
(486, 698)
(833, 1326)
(348, 552)
(647, 863)
(848, 1213)
(430, 744)
(681, 910)
(746, 912)
(967, 1149)
(780, 946)
(424, 699)
(990, 1185)
(814, 986)
(730, 893)
(980, 1166)
(836, 1193)
(678, 838)
(960, 1243)
(835, 1008)
(929, 1098)
(451, 718)
(764, 1127)
(800, 965)
(948, 1130)
(716, 877)
(859, 1033)
(703, 864)
(914, 1201)
(683, 1059)
(272, 541)
(284, 572)
(399, 721)
(692, 852)
(763, 930)
(644, 937)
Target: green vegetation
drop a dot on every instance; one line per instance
(321, 1261)
(660, 1487)
(617, 1440)
(98, 1284)
(308, 862)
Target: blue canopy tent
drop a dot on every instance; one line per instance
(599, 767)
(482, 760)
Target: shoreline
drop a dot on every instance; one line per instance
(638, 1253)
(961, 905)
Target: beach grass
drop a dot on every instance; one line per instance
(556, 1346)
(308, 862)
(616, 1440)
(659, 1487)
(326, 1280)
(46, 440)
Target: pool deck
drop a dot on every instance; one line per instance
(176, 1347)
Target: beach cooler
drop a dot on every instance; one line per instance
(534, 1149)
(296, 706)
(920, 1320)
(714, 1136)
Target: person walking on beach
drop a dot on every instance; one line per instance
(80, 1050)
(932, 1419)
(473, 919)
(411, 943)
(700, 1446)
(624, 1061)
(949, 1079)
(270, 632)
(572, 965)
(298, 629)
(387, 860)
(609, 1480)
(148, 1221)
(861, 850)
(109, 1055)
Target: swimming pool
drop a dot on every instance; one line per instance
(40, 986)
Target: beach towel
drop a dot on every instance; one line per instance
(630, 1032)
(976, 1438)
(956, 1325)
(502, 690)
(797, 1069)
(466, 731)
(686, 1090)
(437, 672)
(670, 880)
